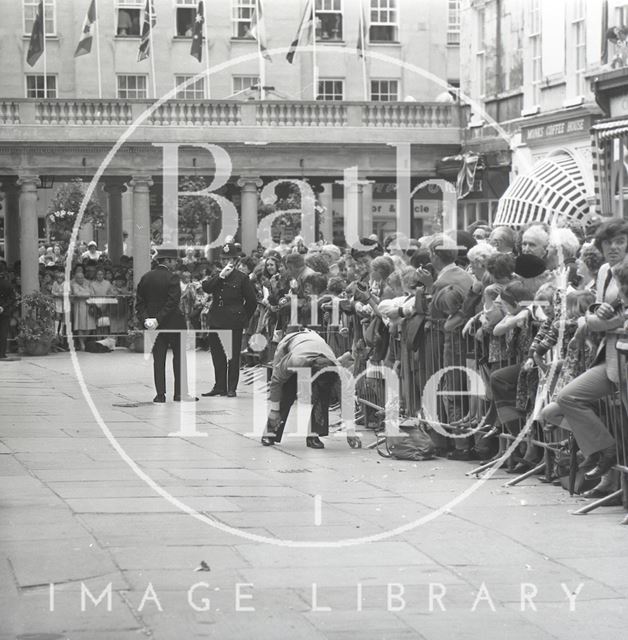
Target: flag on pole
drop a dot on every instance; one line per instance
(306, 24)
(87, 34)
(257, 29)
(196, 50)
(147, 25)
(361, 46)
(37, 41)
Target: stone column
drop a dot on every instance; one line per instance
(141, 225)
(11, 221)
(29, 232)
(353, 206)
(114, 188)
(248, 217)
(327, 223)
(367, 208)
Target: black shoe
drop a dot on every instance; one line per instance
(313, 442)
(268, 441)
(159, 399)
(231, 394)
(214, 392)
(589, 462)
(607, 460)
(185, 399)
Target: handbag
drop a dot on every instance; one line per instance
(377, 337)
(414, 443)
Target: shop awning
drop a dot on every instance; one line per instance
(611, 129)
(554, 190)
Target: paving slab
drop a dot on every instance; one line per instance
(73, 513)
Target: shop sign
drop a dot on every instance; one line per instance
(551, 131)
(420, 208)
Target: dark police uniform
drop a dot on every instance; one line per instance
(233, 304)
(158, 296)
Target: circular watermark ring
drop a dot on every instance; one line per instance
(140, 473)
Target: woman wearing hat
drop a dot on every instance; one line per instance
(233, 304)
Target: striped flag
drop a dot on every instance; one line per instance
(257, 29)
(87, 34)
(37, 41)
(196, 50)
(149, 23)
(304, 26)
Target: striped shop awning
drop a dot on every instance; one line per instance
(606, 136)
(611, 129)
(553, 191)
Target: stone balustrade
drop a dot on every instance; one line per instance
(213, 113)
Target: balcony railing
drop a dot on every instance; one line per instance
(214, 113)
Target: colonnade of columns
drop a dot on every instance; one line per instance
(21, 224)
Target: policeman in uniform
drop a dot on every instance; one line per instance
(233, 304)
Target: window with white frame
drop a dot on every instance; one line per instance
(132, 87)
(242, 14)
(185, 15)
(242, 83)
(621, 15)
(328, 19)
(453, 22)
(480, 52)
(383, 23)
(30, 11)
(580, 44)
(129, 17)
(384, 90)
(193, 91)
(534, 39)
(330, 89)
(37, 88)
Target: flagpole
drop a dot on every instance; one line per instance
(262, 62)
(363, 36)
(97, 35)
(152, 48)
(43, 31)
(206, 45)
(314, 69)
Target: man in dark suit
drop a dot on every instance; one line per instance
(233, 304)
(157, 307)
(7, 302)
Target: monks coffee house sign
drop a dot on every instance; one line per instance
(540, 134)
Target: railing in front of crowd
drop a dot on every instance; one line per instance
(443, 377)
(461, 397)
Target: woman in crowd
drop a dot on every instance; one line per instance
(578, 399)
(83, 322)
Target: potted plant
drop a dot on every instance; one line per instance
(37, 324)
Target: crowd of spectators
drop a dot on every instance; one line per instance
(500, 302)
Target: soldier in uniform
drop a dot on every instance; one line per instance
(233, 304)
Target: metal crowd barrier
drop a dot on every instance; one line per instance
(614, 412)
(97, 317)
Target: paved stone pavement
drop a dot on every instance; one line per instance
(75, 514)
